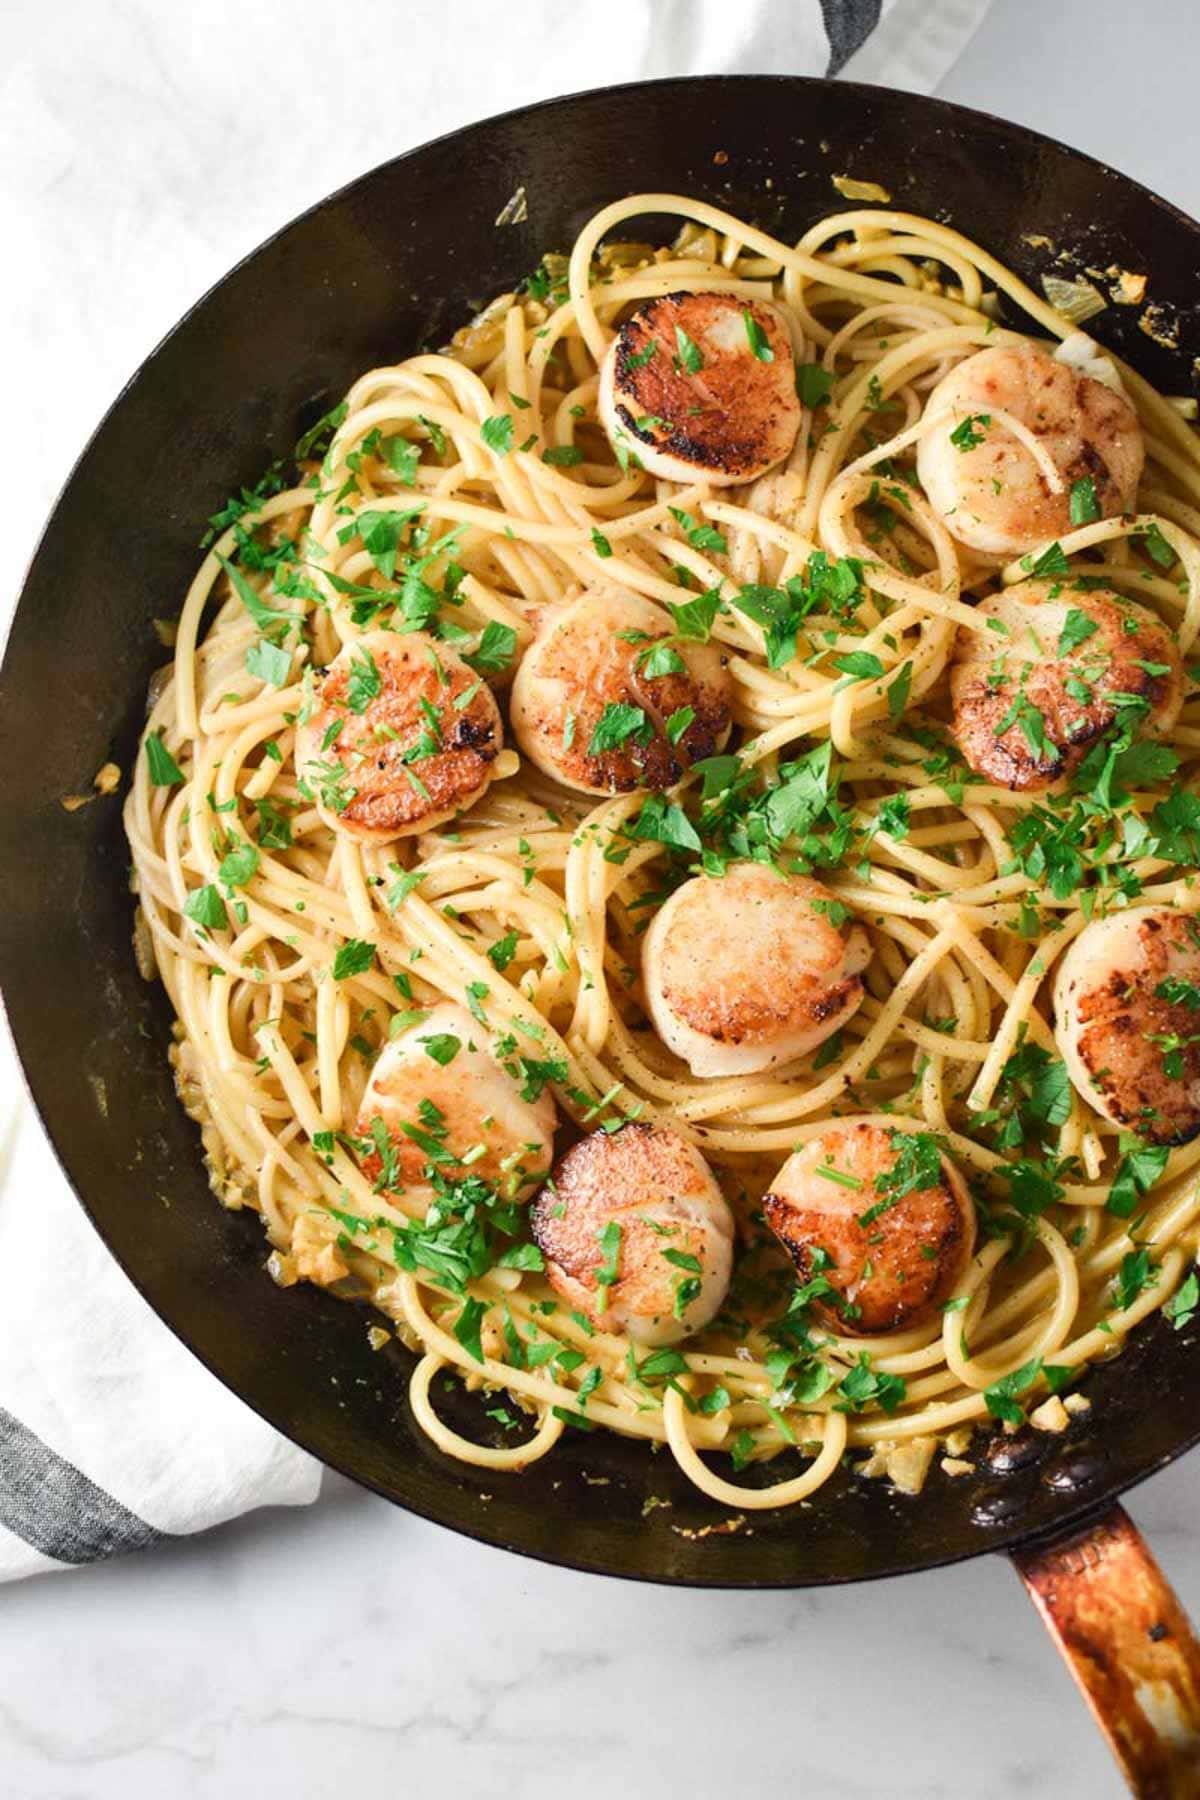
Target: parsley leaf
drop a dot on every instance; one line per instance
(467, 1324)
(864, 1386)
(899, 690)
(497, 433)
(264, 616)
(616, 723)
(1156, 544)
(365, 683)
(859, 665)
(316, 439)
(757, 338)
(501, 953)
(814, 385)
(1003, 1396)
(1183, 1305)
(694, 618)
(1084, 505)
(917, 1165)
(1052, 561)
(269, 662)
(1178, 992)
(676, 726)
(1175, 822)
(1139, 1168)
(662, 822)
(497, 647)
(967, 433)
(661, 659)
(1077, 628)
(239, 865)
(700, 537)
(354, 957)
(164, 770)
(442, 1047)
(204, 906)
(687, 352)
(1136, 1274)
(610, 1252)
(274, 829)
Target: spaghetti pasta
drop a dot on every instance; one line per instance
(463, 493)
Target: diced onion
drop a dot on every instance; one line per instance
(850, 189)
(1075, 300)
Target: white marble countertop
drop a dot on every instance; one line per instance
(294, 1653)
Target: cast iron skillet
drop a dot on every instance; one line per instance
(392, 263)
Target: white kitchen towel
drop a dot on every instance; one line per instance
(112, 1435)
(217, 124)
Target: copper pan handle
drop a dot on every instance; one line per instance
(1129, 1645)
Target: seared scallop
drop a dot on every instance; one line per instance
(991, 490)
(701, 387)
(1053, 671)
(404, 735)
(437, 1098)
(751, 968)
(881, 1214)
(636, 1233)
(591, 708)
(1127, 1019)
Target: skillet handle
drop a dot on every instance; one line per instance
(1129, 1645)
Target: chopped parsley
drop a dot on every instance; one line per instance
(164, 770)
(971, 431)
(814, 385)
(501, 953)
(700, 537)
(864, 1385)
(1085, 508)
(497, 433)
(1003, 1396)
(757, 338)
(917, 1165)
(1140, 1167)
(497, 647)
(609, 1239)
(269, 662)
(365, 683)
(687, 353)
(467, 1327)
(204, 906)
(1077, 628)
(1182, 1307)
(1136, 1275)
(354, 957)
(616, 724)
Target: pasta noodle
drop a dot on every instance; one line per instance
(466, 491)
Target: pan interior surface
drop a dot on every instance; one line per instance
(389, 265)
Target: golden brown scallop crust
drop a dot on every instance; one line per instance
(1054, 392)
(1069, 411)
(797, 986)
(990, 672)
(574, 674)
(390, 794)
(619, 1175)
(443, 1087)
(1118, 1022)
(891, 1273)
(733, 416)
